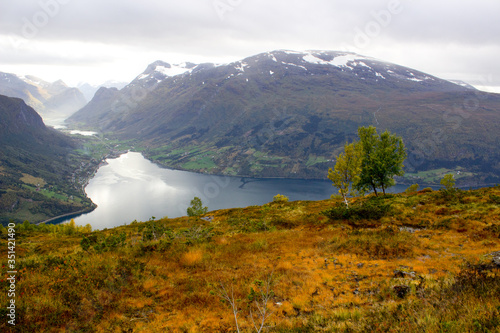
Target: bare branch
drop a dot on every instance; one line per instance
(223, 293)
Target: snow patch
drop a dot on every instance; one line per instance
(291, 52)
(363, 64)
(241, 66)
(314, 60)
(290, 64)
(272, 56)
(338, 61)
(171, 71)
(28, 80)
(174, 70)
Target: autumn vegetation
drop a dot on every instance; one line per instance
(421, 261)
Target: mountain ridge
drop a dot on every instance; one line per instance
(52, 100)
(38, 166)
(288, 113)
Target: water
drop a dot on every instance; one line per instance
(132, 188)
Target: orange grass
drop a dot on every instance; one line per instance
(326, 275)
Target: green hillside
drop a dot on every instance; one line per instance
(41, 173)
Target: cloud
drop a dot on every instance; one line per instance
(446, 37)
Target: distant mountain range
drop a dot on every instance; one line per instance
(51, 100)
(37, 167)
(288, 114)
(89, 90)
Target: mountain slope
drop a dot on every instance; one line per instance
(287, 113)
(37, 166)
(89, 90)
(51, 100)
(431, 261)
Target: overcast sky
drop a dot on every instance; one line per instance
(99, 40)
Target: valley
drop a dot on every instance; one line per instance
(232, 166)
(43, 171)
(279, 114)
(288, 114)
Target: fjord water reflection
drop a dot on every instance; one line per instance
(132, 188)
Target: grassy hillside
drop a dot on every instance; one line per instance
(412, 262)
(41, 175)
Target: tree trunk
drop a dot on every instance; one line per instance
(374, 188)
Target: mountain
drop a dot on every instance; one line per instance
(463, 84)
(51, 100)
(37, 165)
(288, 114)
(89, 90)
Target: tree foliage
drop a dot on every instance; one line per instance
(347, 170)
(196, 207)
(383, 157)
(368, 164)
(448, 182)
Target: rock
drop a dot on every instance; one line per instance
(495, 257)
(404, 274)
(408, 229)
(496, 261)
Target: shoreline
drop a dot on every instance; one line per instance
(68, 215)
(398, 182)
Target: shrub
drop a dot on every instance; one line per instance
(196, 234)
(495, 199)
(245, 224)
(372, 209)
(481, 280)
(280, 198)
(386, 243)
(152, 230)
(104, 244)
(412, 189)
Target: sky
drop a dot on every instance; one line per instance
(98, 40)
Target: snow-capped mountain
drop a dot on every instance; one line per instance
(161, 70)
(365, 68)
(298, 108)
(463, 84)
